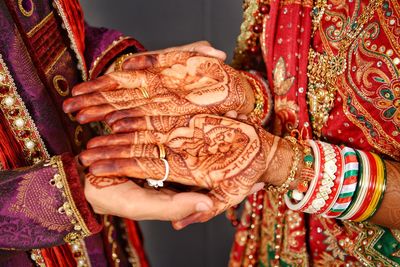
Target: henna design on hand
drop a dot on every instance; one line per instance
(221, 154)
(178, 83)
(103, 182)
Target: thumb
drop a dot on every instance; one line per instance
(176, 206)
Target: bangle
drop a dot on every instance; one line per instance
(338, 183)
(318, 169)
(379, 187)
(256, 116)
(120, 60)
(371, 189)
(326, 184)
(362, 186)
(296, 160)
(349, 183)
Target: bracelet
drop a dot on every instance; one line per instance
(318, 169)
(371, 188)
(379, 187)
(338, 183)
(120, 60)
(349, 184)
(324, 188)
(362, 186)
(296, 160)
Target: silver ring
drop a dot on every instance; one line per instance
(160, 183)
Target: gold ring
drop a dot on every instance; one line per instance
(144, 92)
(163, 153)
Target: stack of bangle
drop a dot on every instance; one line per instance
(348, 184)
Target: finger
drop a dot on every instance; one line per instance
(210, 52)
(134, 167)
(90, 156)
(256, 187)
(146, 123)
(112, 81)
(157, 60)
(159, 206)
(226, 195)
(141, 168)
(138, 138)
(95, 113)
(102, 83)
(162, 107)
(231, 114)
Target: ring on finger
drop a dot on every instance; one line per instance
(144, 92)
(162, 151)
(160, 183)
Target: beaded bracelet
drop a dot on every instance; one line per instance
(318, 169)
(296, 160)
(349, 184)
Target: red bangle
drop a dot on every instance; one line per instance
(320, 176)
(337, 182)
(371, 187)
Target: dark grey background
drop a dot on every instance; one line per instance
(163, 23)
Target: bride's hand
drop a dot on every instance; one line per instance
(221, 154)
(170, 84)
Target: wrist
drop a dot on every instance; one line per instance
(285, 160)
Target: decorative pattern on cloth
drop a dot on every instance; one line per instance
(364, 116)
(29, 212)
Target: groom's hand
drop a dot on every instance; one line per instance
(122, 197)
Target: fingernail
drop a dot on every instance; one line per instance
(200, 207)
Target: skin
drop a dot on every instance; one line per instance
(175, 79)
(177, 83)
(226, 156)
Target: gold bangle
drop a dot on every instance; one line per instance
(296, 160)
(120, 60)
(256, 115)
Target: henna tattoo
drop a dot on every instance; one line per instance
(103, 182)
(178, 83)
(388, 213)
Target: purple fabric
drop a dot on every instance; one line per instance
(38, 223)
(97, 40)
(29, 85)
(29, 216)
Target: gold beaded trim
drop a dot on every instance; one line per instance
(296, 160)
(121, 60)
(323, 70)
(80, 230)
(99, 58)
(17, 115)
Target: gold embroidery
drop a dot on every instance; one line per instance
(78, 133)
(55, 60)
(40, 24)
(26, 13)
(56, 80)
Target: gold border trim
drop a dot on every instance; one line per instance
(30, 124)
(81, 65)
